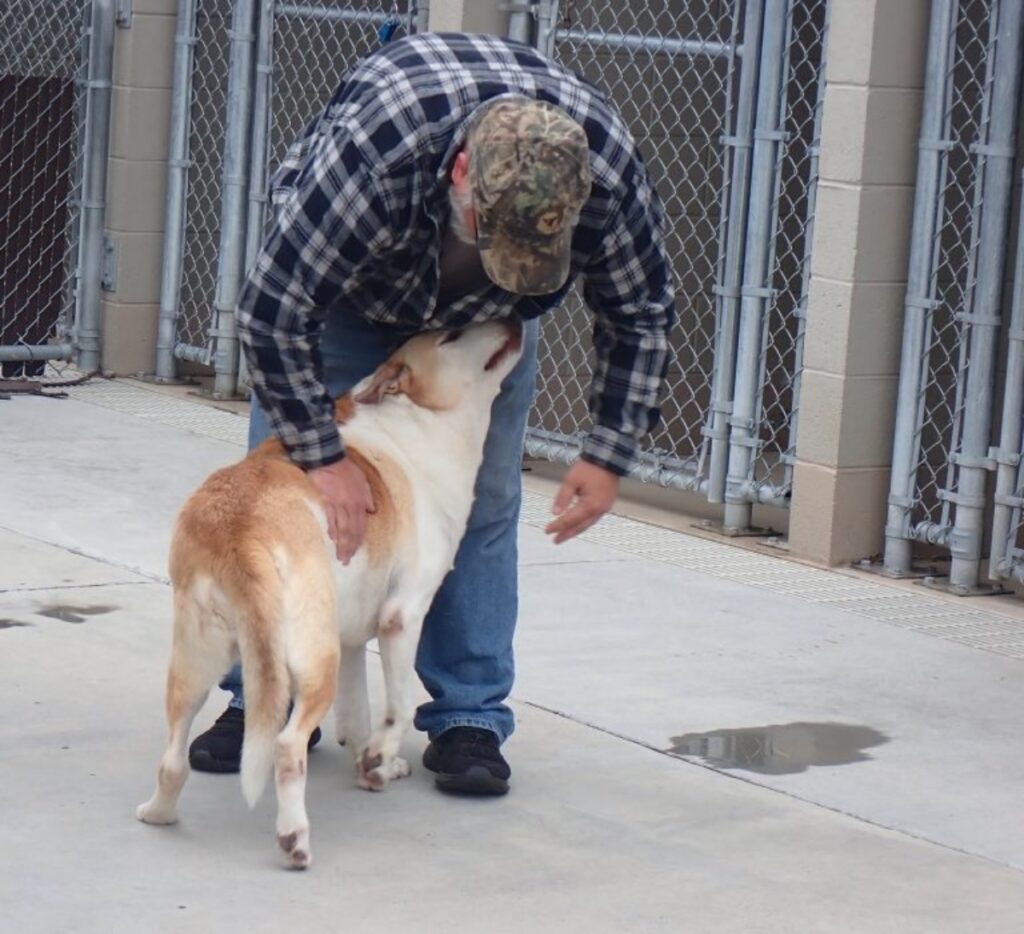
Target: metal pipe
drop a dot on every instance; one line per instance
(421, 16)
(805, 272)
(547, 19)
(177, 191)
(94, 187)
(261, 120)
(234, 190)
(692, 48)
(668, 472)
(22, 354)
(330, 14)
(996, 156)
(1006, 514)
(192, 354)
(756, 263)
(920, 289)
(728, 287)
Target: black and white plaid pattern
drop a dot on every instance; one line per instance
(362, 208)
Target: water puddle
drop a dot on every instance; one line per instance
(73, 614)
(780, 749)
(11, 623)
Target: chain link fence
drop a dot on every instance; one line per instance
(55, 63)
(672, 77)
(953, 330)
(781, 354)
(726, 136)
(249, 76)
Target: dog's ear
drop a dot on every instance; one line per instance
(389, 380)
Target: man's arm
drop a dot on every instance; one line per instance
(332, 223)
(628, 287)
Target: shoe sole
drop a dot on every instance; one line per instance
(476, 780)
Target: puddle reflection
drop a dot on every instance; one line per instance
(780, 749)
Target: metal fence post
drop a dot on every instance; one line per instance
(920, 289)
(94, 187)
(1008, 455)
(996, 154)
(727, 291)
(235, 191)
(547, 25)
(259, 151)
(756, 265)
(177, 190)
(789, 457)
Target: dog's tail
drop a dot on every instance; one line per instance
(264, 666)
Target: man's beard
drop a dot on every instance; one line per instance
(460, 206)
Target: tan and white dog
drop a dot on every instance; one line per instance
(255, 575)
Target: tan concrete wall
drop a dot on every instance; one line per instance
(468, 16)
(136, 183)
(870, 127)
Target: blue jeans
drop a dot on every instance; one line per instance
(465, 658)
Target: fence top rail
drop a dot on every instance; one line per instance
(307, 11)
(692, 48)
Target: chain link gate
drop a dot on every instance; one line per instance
(249, 74)
(724, 99)
(56, 65)
(953, 329)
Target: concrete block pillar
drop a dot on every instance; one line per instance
(485, 16)
(137, 174)
(875, 75)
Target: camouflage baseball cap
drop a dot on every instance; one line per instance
(529, 168)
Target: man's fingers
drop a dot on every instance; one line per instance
(577, 529)
(343, 539)
(565, 495)
(578, 519)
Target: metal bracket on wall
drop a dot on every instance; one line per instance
(108, 274)
(123, 13)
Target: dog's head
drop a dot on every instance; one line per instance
(446, 371)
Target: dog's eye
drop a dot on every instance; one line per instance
(451, 336)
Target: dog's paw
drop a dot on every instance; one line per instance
(372, 773)
(150, 813)
(295, 846)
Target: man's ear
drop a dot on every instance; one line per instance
(389, 380)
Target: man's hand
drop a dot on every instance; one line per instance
(587, 493)
(347, 499)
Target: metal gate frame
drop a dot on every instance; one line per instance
(244, 173)
(741, 460)
(952, 323)
(77, 333)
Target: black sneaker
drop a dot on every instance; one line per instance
(219, 749)
(467, 761)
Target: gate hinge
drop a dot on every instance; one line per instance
(123, 13)
(108, 272)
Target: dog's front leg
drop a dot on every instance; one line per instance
(398, 637)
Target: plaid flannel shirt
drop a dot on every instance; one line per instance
(362, 206)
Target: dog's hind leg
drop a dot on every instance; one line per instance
(398, 638)
(315, 680)
(195, 666)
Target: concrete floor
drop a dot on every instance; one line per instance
(887, 798)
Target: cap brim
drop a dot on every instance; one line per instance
(526, 268)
